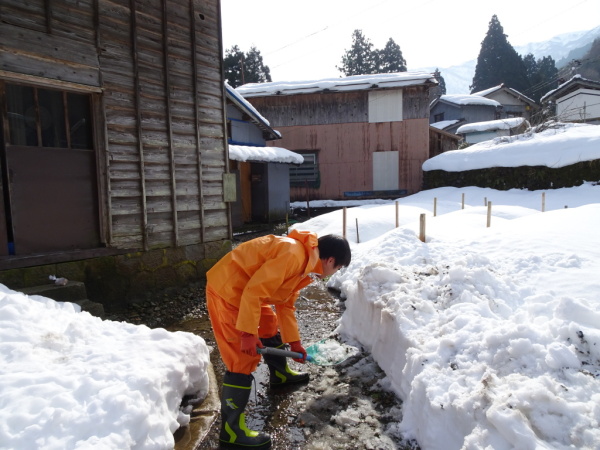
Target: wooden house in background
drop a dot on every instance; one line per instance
(360, 136)
(441, 141)
(454, 110)
(514, 104)
(576, 100)
(112, 144)
(262, 173)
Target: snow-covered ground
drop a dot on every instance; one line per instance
(490, 335)
(69, 380)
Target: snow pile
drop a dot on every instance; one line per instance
(556, 147)
(72, 380)
(490, 336)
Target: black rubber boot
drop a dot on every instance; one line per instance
(234, 432)
(280, 373)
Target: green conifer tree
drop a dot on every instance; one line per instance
(546, 78)
(390, 59)
(498, 62)
(442, 83)
(241, 68)
(360, 59)
(232, 66)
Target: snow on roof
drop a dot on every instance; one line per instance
(486, 92)
(555, 147)
(244, 104)
(351, 83)
(443, 124)
(264, 154)
(502, 124)
(573, 79)
(466, 99)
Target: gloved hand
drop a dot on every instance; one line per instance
(249, 342)
(296, 346)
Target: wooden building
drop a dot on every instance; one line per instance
(441, 141)
(113, 143)
(576, 100)
(454, 110)
(364, 135)
(262, 173)
(514, 103)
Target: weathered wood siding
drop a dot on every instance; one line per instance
(441, 141)
(156, 66)
(346, 154)
(336, 126)
(163, 100)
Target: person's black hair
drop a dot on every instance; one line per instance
(336, 246)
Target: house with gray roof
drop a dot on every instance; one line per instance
(514, 103)
(360, 136)
(577, 100)
(458, 109)
(261, 171)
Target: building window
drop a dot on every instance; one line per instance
(48, 118)
(48, 171)
(307, 173)
(438, 117)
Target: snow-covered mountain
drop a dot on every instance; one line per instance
(563, 48)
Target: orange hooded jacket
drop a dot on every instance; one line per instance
(267, 270)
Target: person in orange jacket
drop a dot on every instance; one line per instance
(241, 290)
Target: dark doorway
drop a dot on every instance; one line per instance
(49, 173)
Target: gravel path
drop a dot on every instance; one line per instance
(347, 406)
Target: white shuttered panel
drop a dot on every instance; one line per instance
(385, 106)
(385, 171)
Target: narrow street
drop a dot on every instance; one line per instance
(343, 407)
(347, 406)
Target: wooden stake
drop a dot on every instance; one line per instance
(463, 201)
(485, 201)
(489, 214)
(397, 219)
(344, 223)
(357, 237)
(543, 201)
(422, 228)
(307, 198)
(434, 206)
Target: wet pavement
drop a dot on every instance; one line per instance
(346, 406)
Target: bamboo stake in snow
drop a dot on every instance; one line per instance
(422, 228)
(397, 219)
(485, 201)
(344, 224)
(434, 206)
(489, 214)
(357, 237)
(463, 201)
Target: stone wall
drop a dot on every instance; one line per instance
(115, 281)
(524, 177)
